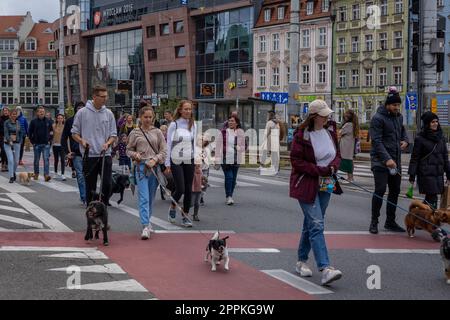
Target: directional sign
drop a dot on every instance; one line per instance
(411, 101)
(278, 97)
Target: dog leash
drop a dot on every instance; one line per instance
(103, 155)
(438, 228)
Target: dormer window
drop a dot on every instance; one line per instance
(30, 45)
(48, 30)
(51, 46)
(267, 15)
(11, 29)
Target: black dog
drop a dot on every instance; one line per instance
(97, 219)
(120, 182)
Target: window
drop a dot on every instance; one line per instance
(29, 81)
(262, 77)
(68, 51)
(7, 45)
(178, 27)
(281, 13)
(164, 29)
(383, 41)
(267, 15)
(342, 79)
(341, 45)
(342, 14)
(382, 77)
(51, 81)
(6, 63)
(152, 54)
(369, 77)
(151, 31)
(309, 8)
(355, 78)
(288, 74)
(397, 75)
(6, 97)
(322, 37)
(384, 7)
(74, 49)
(398, 39)
(51, 46)
(262, 43)
(50, 64)
(371, 11)
(51, 98)
(275, 42)
(305, 74)
(325, 5)
(276, 76)
(7, 80)
(28, 64)
(398, 6)
(440, 3)
(322, 73)
(369, 42)
(288, 41)
(172, 83)
(305, 38)
(180, 52)
(30, 45)
(356, 12)
(355, 44)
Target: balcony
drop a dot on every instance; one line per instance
(356, 24)
(341, 26)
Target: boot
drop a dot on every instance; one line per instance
(373, 227)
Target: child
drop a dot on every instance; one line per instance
(124, 160)
(196, 191)
(164, 129)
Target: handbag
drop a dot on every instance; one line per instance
(159, 168)
(327, 184)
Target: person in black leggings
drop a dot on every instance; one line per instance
(181, 141)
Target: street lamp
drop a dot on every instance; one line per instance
(62, 5)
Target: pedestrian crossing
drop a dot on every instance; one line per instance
(365, 171)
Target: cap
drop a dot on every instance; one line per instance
(319, 107)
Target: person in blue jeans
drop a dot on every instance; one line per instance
(315, 158)
(13, 135)
(72, 150)
(41, 135)
(233, 151)
(147, 147)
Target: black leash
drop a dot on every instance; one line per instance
(438, 228)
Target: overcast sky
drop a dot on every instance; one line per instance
(40, 9)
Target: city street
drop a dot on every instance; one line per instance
(42, 228)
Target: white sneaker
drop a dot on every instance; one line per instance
(63, 178)
(329, 274)
(303, 270)
(230, 201)
(150, 229)
(145, 234)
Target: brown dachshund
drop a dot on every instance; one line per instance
(421, 216)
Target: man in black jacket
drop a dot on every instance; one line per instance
(72, 149)
(3, 118)
(388, 140)
(41, 135)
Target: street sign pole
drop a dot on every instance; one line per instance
(132, 97)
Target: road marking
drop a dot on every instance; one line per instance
(239, 183)
(50, 221)
(194, 231)
(415, 251)
(13, 187)
(5, 200)
(253, 250)
(111, 268)
(154, 220)
(46, 249)
(125, 285)
(297, 282)
(356, 232)
(22, 221)
(13, 209)
(95, 255)
(253, 179)
(58, 186)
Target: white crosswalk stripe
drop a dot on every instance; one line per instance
(361, 170)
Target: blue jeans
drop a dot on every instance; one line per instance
(13, 158)
(147, 185)
(313, 228)
(230, 172)
(78, 165)
(45, 150)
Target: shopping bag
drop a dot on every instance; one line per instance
(445, 198)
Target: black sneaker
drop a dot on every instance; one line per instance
(373, 227)
(394, 227)
(15, 177)
(11, 180)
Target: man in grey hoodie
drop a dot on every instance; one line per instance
(95, 126)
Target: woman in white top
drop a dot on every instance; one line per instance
(181, 142)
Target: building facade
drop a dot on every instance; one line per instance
(27, 63)
(368, 56)
(443, 77)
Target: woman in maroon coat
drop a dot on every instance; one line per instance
(315, 159)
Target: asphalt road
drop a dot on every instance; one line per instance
(264, 227)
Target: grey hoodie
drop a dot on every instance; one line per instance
(96, 127)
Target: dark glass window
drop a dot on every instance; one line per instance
(180, 52)
(152, 54)
(178, 27)
(164, 29)
(151, 32)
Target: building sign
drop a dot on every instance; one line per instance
(125, 85)
(303, 98)
(278, 97)
(184, 2)
(107, 15)
(242, 83)
(97, 18)
(207, 89)
(125, 9)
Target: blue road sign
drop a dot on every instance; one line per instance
(278, 97)
(411, 101)
(184, 2)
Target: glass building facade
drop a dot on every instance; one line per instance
(224, 43)
(117, 56)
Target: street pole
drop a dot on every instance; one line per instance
(132, 97)
(294, 32)
(427, 60)
(62, 4)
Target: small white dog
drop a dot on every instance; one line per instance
(217, 250)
